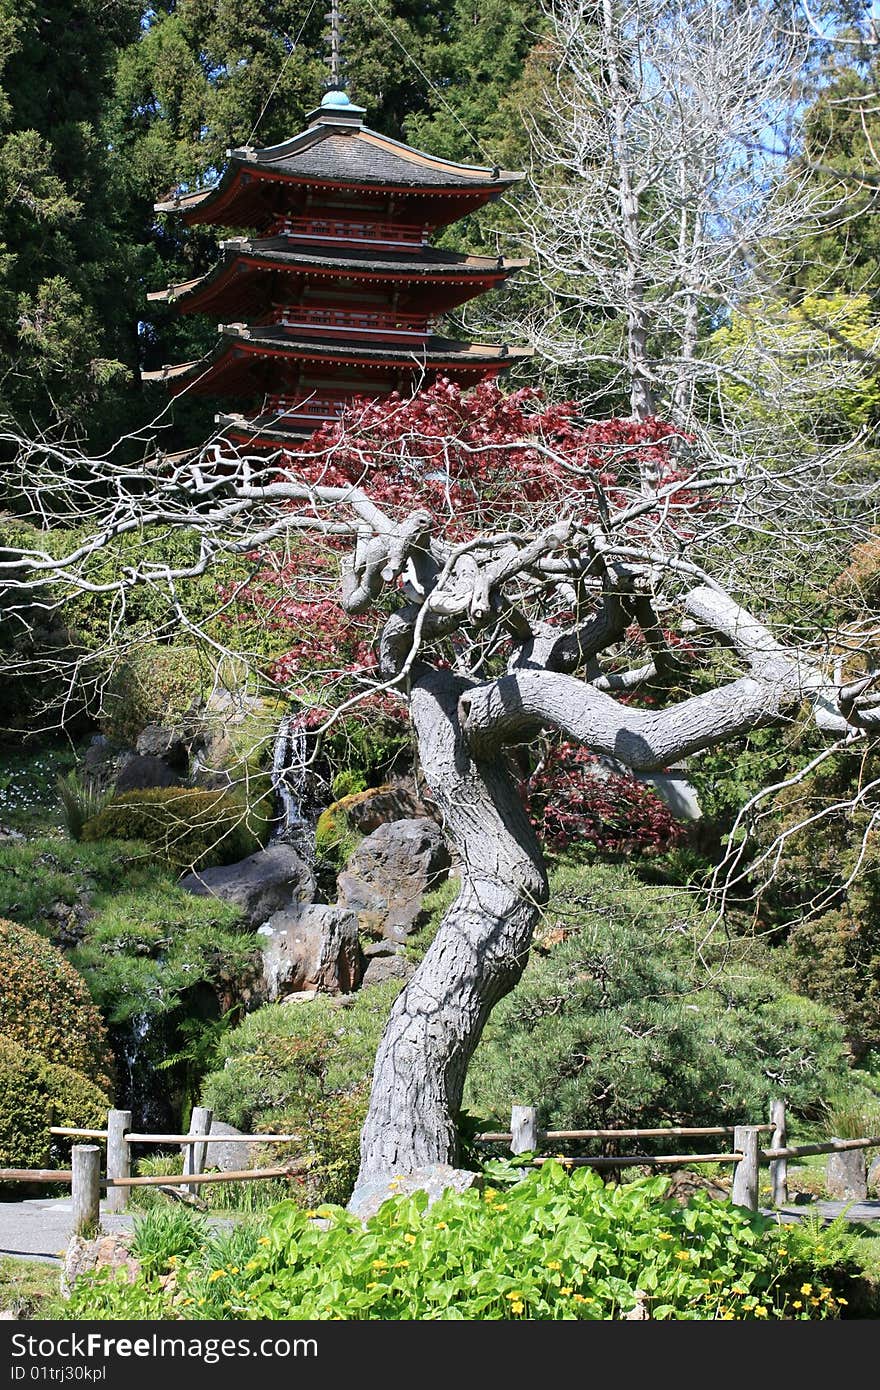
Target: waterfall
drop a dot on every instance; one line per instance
(143, 1089)
(289, 782)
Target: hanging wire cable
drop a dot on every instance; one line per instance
(431, 85)
(281, 72)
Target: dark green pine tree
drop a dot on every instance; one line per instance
(69, 262)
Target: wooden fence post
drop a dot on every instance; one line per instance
(779, 1166)
(118, 1157)
(523, 1129)
(194, 1157)
(745, 1174)
(86, 1189)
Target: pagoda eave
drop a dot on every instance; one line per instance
(238, 359)
(229, 286)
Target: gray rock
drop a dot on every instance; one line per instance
(311, 948)
(104, 1252)
(846, 1176)
(155, 741)
(382, 968)
(435, 1180)
(376, 806)
(390, 872)
(265, 882)
(229, 1158)
(874, 1177)
(140, 773)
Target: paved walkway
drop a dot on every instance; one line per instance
(854, 1211)
(40, 1228)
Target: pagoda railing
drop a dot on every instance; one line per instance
(388, 324)
(309, 407)
(354, 232)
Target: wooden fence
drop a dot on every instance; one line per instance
(746, 1154)
(86, 1181)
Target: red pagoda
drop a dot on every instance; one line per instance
(335, 292)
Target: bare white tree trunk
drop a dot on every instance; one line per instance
(477, 956)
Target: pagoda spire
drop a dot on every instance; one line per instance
(334, 58)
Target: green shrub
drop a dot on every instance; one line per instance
(305, 1070)
(45, 1005)
(619, 1021)
(42, 875)
(188, 828)
(153, 684)
(555, 1246)
(35, 1094)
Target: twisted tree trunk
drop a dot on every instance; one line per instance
(477, 956)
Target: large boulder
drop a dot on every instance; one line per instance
(435, 1179)
(265, 882)
(155, 741)
(229, 1158)
(389, 873)
(144, 772)
(311, 948)
(366, 811)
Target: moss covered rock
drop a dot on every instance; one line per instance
(188, 827)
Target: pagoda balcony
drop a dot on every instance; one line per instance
(310, 407)
(342, 232)
(388, 325)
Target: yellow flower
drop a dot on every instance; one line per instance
(760, 1311)
(252, 1264)
(379, 1264)
(410, 1238)
(490, 1194)
(215, 1274)
(514, 1294)
(441, 1226)
(172, 1260)
(824, 1291)
(372, 1284)
(565, 1292)
(310, 1214)
(264, 1240)
(553, 1264)
(682, 1254)
(797, 1303)
(401, 1264)
(501, 1206)
(663, 1235)
(727, 1317)
(806, 1288)
(234, 1269)
(516, 1307)
(579, 1298)
(843, 1301)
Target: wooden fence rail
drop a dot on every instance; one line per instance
(525, 1137)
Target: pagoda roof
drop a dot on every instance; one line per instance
(238, 342)
(281, 253)
(336, 150)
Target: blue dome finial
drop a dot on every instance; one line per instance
(336, 98)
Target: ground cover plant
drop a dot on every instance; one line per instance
(554, 1245)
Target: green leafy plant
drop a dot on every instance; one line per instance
(166, 1235)
(555, 1245)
